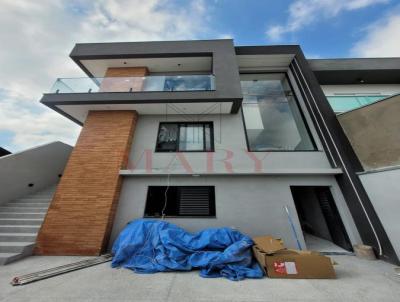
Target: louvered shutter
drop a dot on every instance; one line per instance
(194, 201)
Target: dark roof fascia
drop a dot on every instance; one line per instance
(152, 49)
(356, 71)
(267, 50)
(354, 64)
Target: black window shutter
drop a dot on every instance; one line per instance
(195, 201)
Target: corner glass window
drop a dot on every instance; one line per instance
(185, 137)
(272, 117)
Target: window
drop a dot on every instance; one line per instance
(343, 103)
(272, 117)
(185, 137)
(184, 82)
(185, 201)
(188, 83)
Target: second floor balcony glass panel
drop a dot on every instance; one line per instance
(135, 84)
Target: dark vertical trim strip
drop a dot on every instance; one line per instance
(370, 227)
(313, 116)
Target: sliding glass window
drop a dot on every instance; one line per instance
(272, 117)
(185, 137)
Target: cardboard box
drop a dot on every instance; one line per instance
(279, 262)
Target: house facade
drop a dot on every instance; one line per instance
(208, 134)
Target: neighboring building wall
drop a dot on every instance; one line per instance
(383, 189)
(252, 204)
(374, 133)
(40, 166)
(81, 214)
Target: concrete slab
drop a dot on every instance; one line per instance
(315, 243)
(358, 280)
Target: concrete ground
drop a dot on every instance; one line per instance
(358, 280)
(315, 243)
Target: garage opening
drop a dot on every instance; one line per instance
(320, 220)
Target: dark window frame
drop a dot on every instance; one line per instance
(211, 125)
(212, 203)
(301, 114)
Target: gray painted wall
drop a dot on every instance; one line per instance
(384, 192)
(229, 136)
(252, 204)
(40, 166)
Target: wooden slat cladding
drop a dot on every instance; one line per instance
(81, 215)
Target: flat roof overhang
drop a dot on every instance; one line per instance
(76, 106)
(216, 57)
(356, 71)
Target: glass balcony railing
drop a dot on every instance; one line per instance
(135, 84)
(343, 103)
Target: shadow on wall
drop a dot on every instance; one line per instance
(32, 170)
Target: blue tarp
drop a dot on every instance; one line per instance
(149, 246)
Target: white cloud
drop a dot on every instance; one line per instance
(225, 36)
(381, 39)
(32, 127)
(305, 12)
(39, 36)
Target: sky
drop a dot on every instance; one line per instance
(37, 37)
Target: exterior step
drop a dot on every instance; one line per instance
(20, 221)
(17, 237)
(16, 247)
(22, 215)
(9, 257)
(33, 200)
(19, 229)
(41, 196)
(15, 209)
(27, 204)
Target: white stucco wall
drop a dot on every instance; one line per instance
(252, 204)
(384, 192)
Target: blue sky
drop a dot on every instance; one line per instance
(40, 35)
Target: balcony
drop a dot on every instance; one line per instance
(148, 95)
(162, 83)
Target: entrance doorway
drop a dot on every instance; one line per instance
(320, 220)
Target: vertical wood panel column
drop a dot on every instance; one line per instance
(81, 215)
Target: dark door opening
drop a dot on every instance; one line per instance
(319, 216)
